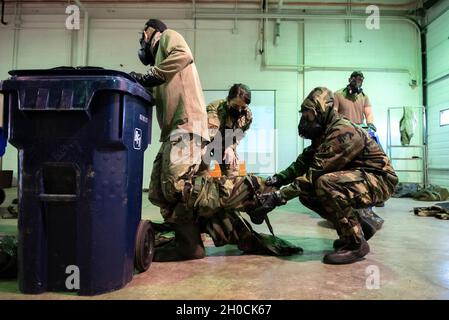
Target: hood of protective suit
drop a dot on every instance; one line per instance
(321, 100)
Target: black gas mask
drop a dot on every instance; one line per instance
(309, 129)
(235, 113)
(146, 53)
(353, 87)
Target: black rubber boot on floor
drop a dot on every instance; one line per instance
(187, 245)
(350, 253)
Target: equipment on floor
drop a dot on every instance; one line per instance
(417, 192)
(438, 210)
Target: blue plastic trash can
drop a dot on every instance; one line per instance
(81, 136)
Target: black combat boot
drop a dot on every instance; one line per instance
(349, 253)
(368, 231)
(187, 244)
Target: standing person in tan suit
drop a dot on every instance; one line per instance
(181, 114)
(352, 103)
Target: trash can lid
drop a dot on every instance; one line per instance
(69, 88)
(70, 71)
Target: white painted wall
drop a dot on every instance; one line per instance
(226, 53)
(438, 99)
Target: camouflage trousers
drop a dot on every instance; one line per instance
(337, 194)
(177, 161)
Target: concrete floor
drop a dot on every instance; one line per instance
(409, 257)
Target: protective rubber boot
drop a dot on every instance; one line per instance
(377, 221)
(187, 244)
(373, 218)
(257, 217)
(380, 204)
(350, 253)
(368, 231)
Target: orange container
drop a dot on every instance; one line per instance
(242, 169)
(216, 171)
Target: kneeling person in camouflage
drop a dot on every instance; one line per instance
(344, 169)
(209, 205)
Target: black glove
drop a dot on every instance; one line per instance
(372, 127)
(274, 181)
(148, 79)
(268, 201)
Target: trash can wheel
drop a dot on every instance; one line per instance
(144, 246)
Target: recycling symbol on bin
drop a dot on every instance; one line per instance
(137, 138)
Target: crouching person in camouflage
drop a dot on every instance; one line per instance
(342, 170)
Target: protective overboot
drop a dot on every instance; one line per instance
(257, 217)
(349, 253)
(373, 218)
(368, 231)
(380, 204)
(187, 244)
(377, 221)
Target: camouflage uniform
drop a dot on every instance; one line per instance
(213, 204)
(177, 161)
(343, 169)
(227, 226)
(220, 125)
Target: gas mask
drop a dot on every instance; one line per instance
(353, 90)
(145, 52)
(147, 49)
(309, 129)
(235, 113)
